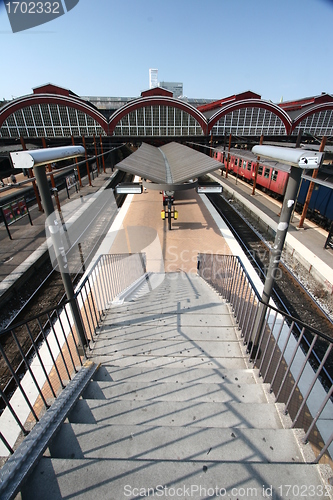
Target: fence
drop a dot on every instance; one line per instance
(294, 358)
(40, 355)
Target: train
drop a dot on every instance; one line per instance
(273, 180)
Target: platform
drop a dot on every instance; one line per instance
(195, 231)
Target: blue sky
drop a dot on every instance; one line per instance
(276, 48)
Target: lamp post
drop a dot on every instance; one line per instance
(37, 159)
(298, 159)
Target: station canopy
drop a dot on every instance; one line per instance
(171, 164)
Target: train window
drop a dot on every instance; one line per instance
(236, 161)
(274, 175)
(266, 173)
(249, 165)
(260, 169)
(240, 162)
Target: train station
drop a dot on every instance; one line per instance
(166, 296)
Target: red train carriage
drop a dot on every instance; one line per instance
(269, 178)
(275, 180)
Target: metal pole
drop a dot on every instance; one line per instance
(97, 162)
(52, 179)
(87, 164)
(101, 143)
(40, 208)
(257, 168)
(228, 160)
(77, 165)
(281, 233)
(43, 186)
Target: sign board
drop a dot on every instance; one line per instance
(210, 189)
(128, 188)
(14, 211)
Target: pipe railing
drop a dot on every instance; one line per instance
(293, 357)
(40, 355)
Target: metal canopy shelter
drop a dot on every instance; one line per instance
(168, 166)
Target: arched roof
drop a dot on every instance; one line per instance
(251, 103)
(327, 106)
(156, 101)
(70, 102)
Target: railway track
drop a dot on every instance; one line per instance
(46, 290)
(289, 293)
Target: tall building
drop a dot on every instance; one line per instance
(175, 87)
(153, 78)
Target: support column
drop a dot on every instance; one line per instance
(281, 233)
(77, 166)
(97, 161)
(52, 179)
(87, 164)
(102, 152)
(40, 208)
(228, 160)
(257, 168)
(41, 178)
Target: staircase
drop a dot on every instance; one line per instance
(174, 410)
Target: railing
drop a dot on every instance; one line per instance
(294, 358)
(39, 356)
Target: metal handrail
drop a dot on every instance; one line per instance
(51, 341)
(285, 361)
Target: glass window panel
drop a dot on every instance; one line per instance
(46, 115)
(55, 116)
(49, 131)
(274, 175)
(266, 172)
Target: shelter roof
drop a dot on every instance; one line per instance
(50, 88)
(172, 163)
(215, 105)
(300, 104)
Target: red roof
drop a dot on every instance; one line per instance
(227, 100)
(307, 101)
(157, 91)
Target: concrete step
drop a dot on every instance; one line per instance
(175, 413)
(112, 479)
(207, 374)
(176, 443)
(173, 391)
(181, 348)
(174, 317)
(155, 330)
(140, 360)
